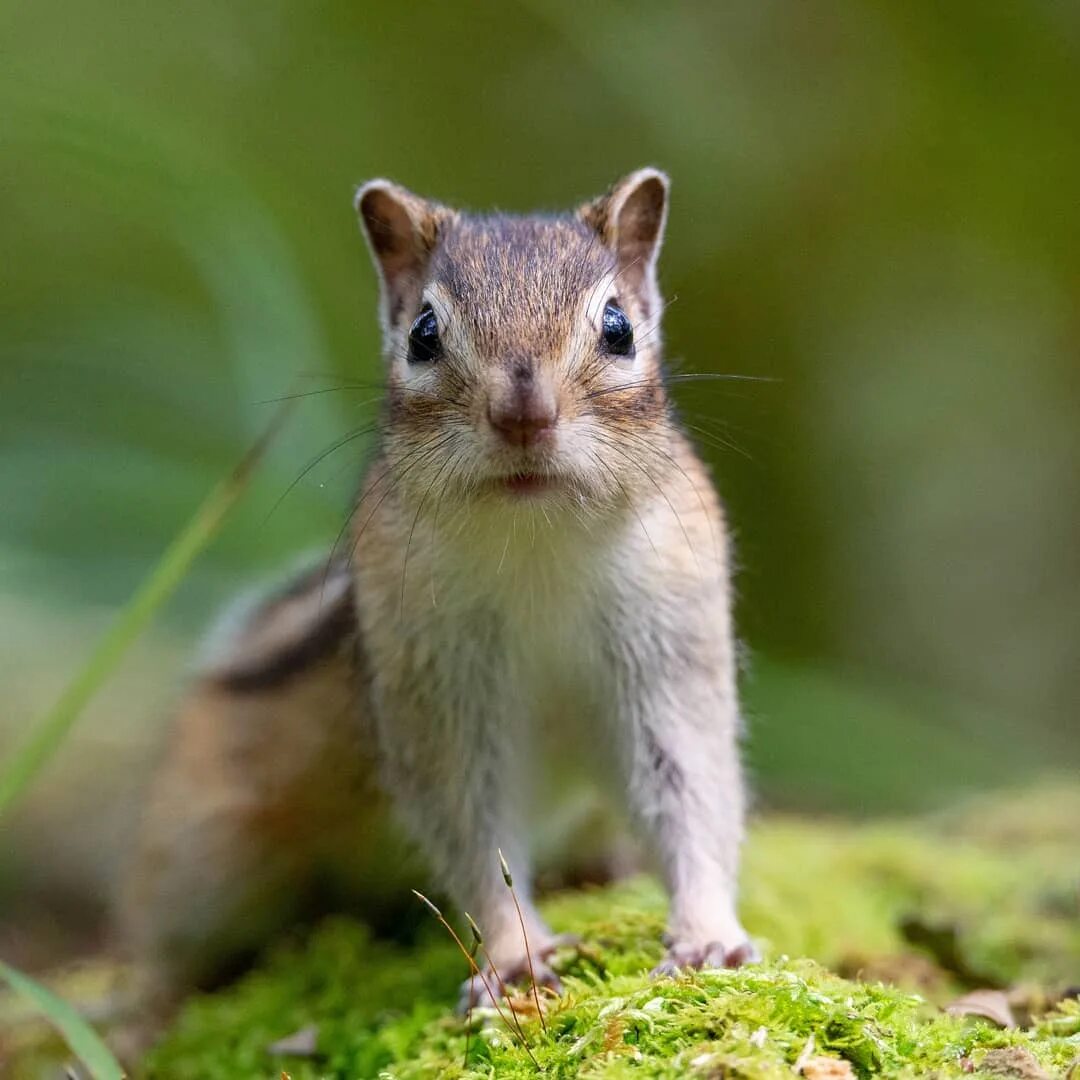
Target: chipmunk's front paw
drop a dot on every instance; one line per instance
(479, 989)
(515, 974)
(682, 956)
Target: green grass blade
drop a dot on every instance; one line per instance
(48, 735)
(83, 1040)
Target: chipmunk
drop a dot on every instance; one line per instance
(537, 568)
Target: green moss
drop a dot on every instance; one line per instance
(992, 891)
(979, 897)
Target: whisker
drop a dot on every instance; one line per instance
(716, 440)
(417, 459)
(337, 445)
(316, 393)
(626, 495)
(385, 387)
(435, 529)
(612, 445)
(709, 376)
(698, 376)
(665, 380)
(389, 467)
(412, 529)
(643, 441)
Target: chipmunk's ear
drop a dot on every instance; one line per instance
(630, 220)
(401, 230)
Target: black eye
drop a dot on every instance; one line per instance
(424, 345)
(617, 332)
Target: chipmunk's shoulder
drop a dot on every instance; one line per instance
(271, 635)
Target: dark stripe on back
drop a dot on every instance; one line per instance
(334, 629)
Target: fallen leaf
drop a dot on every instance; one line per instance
(827, 1068)
(1014, 1062)
(302, 1043)
(991, 1005)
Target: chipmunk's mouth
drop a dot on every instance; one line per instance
(529, 483)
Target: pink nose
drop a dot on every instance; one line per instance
(523, 420)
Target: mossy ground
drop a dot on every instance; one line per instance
(897, 918)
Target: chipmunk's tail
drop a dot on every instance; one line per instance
(266, 791)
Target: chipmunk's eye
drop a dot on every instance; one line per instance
(617, 333)
(424, 345)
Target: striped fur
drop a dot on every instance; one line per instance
(477, 649)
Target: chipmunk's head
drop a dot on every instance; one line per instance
(523, 353)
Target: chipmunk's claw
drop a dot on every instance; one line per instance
(713, 954)
(475, 991)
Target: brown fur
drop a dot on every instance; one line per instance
(470, 633)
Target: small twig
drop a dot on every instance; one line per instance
(475, 968)
(508, 878)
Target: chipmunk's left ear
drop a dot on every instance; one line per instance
(402, 230)
(630, 219)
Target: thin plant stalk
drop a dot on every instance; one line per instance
(475, 968)
(502, 986)
(508, 878)
(494, 971)
(50, 732)
(468, 1012)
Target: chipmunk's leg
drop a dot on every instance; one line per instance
(679, 707)
(265, 755)
(450, 753)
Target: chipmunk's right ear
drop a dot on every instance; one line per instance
(401, 229)
(629, 218)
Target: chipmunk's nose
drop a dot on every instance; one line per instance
(525, 412)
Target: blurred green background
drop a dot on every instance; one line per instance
(875, 205)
